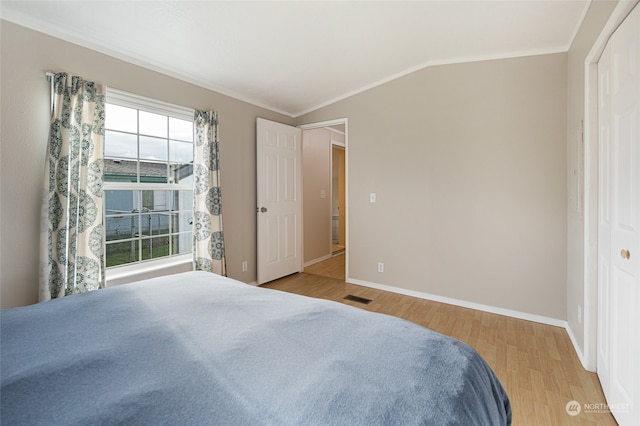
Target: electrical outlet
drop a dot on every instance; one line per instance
(579, 314)
(244, 266)
(380, 267)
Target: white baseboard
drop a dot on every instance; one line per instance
(480, 307)
(579, 352)
(471, 305)
(463, 303)
(318, 260)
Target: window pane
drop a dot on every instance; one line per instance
(154, 224)
(153, 124)
(185, 200)
(173, 201)
(181, 173)
(182, 243)
(160, 224)
(184, 221)
(146, 224)
(121, 227)
(118, 144)
(180, 129)
(153, 149)
(161, 199)
(180, 152)
(120, 171)
(120, 201)
(153, 172)
(121, 118)
(155, 200)
(122, 253)
(153, 248)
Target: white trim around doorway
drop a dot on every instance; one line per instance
(330, 123)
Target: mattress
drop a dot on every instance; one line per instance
(200, 349)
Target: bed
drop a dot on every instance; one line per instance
(200, 349)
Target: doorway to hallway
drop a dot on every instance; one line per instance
(325, 223)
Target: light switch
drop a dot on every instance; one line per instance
(323, 193)
(372, 197)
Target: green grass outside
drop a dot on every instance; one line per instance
(120, 253)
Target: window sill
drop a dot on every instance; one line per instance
(127, 274)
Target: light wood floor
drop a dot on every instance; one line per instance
(337, 248)
(536, 363)
(332, 268)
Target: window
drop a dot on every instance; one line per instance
(148, 180)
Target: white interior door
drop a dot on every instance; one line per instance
(279, 196)
(619, 222)
(604, 220)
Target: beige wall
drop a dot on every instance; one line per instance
(26, 55)
(470, 162)
(469, 165)
(316, 177)
(592, 25)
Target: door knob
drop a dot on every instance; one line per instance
(626, 254)
(263, 209)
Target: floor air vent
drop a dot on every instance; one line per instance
(358, 299)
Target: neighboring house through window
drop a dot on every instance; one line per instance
(148, 180)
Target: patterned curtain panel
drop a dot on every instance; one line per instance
(208, 238)
(71, 255)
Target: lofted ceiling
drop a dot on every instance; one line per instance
(295, 56)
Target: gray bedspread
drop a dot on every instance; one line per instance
(199, 349)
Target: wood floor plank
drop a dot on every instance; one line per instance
(536, 363)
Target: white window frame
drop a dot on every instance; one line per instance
(131, 272)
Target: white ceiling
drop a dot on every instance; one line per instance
(295, 56)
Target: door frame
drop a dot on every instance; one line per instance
(590, 199)
(335, 145)
(329, 123)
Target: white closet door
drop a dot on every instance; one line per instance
(619, 222)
